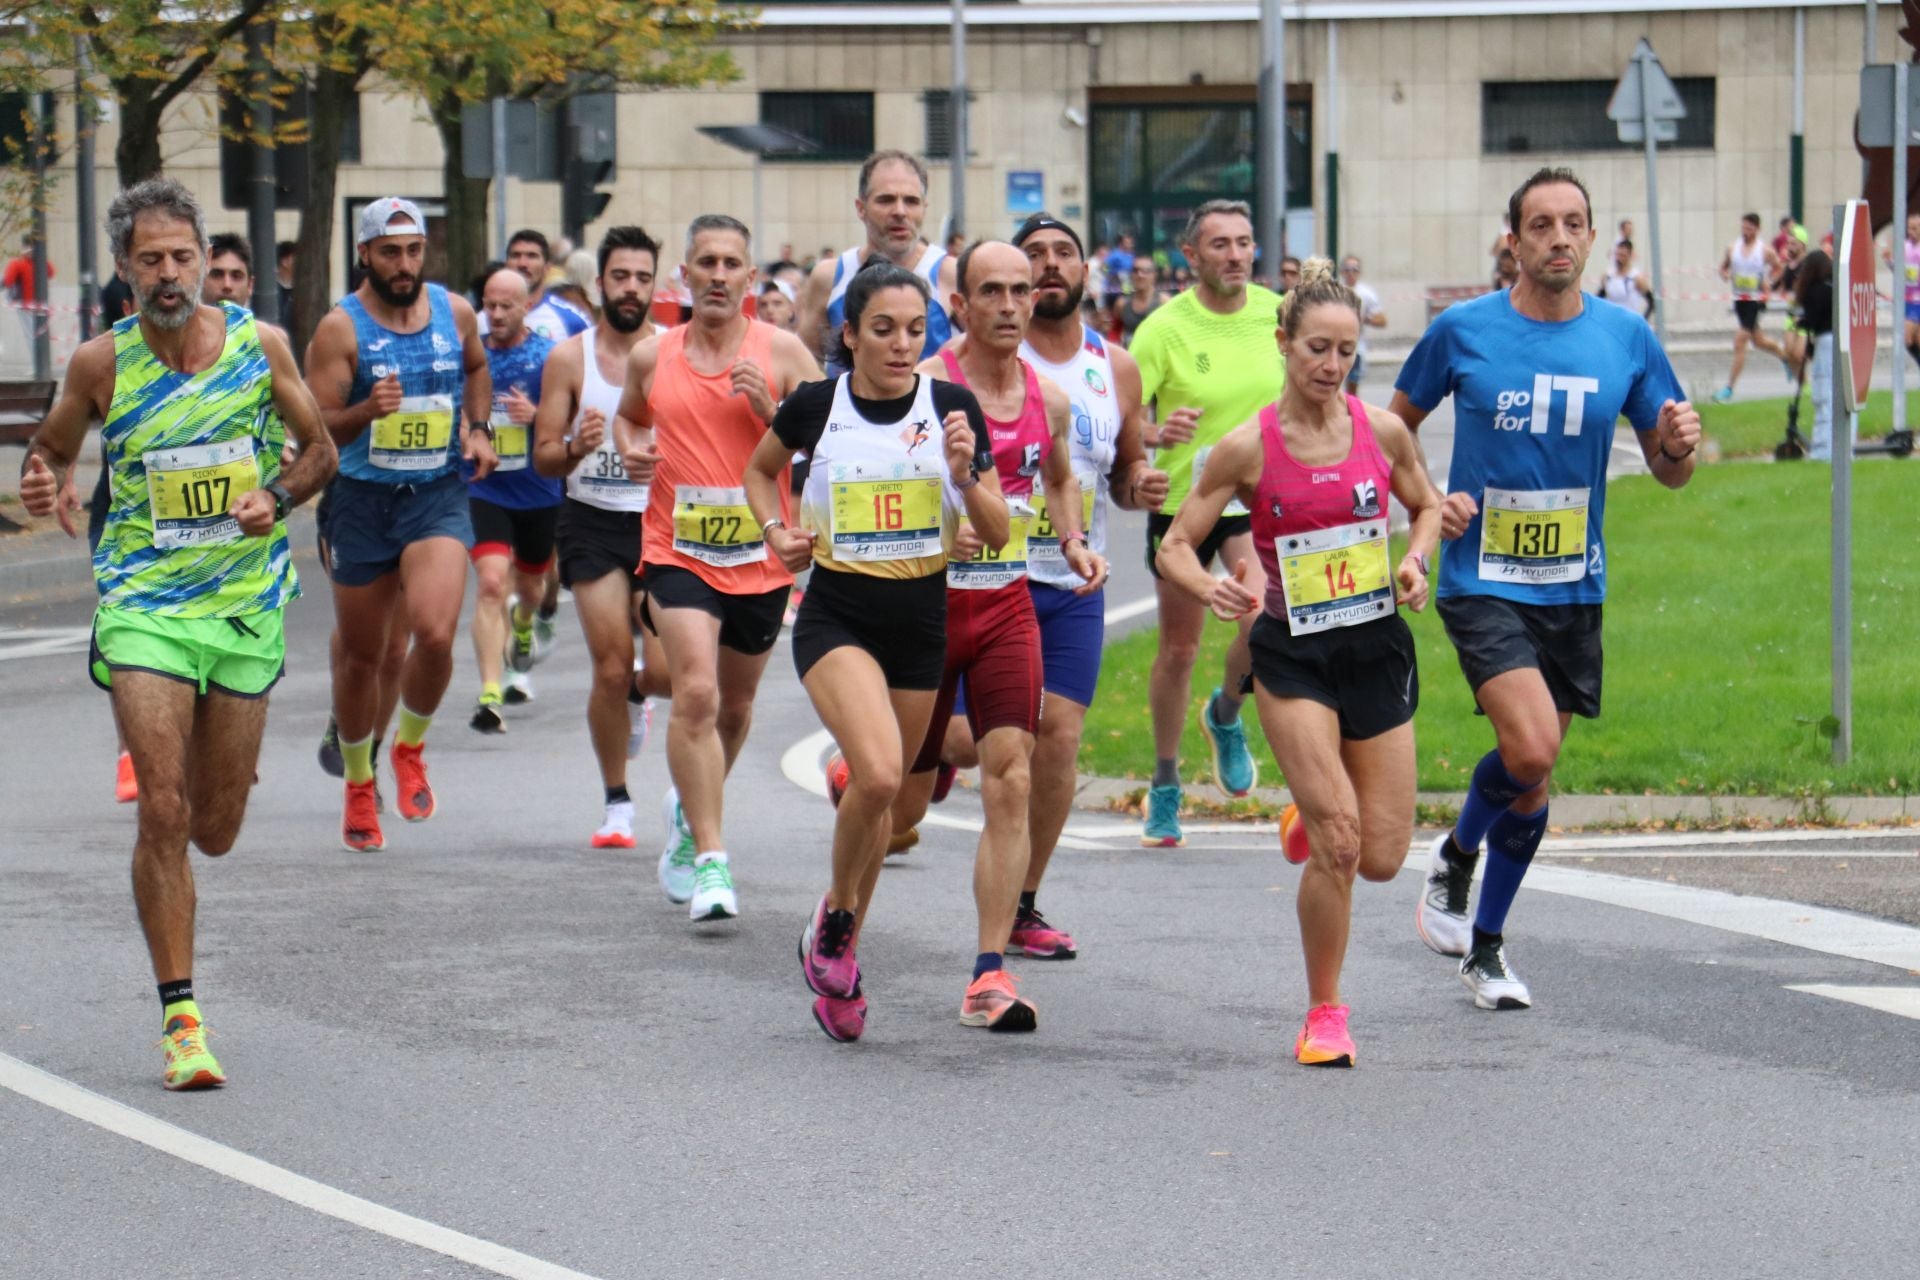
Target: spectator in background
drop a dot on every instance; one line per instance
(17, 282)
(1289, 273)
(283, 262)
(1622, 285)
(1813, 302)
(775, 305)
(1142, 299)
(1506, 270)
(1096, 283)
(1624, 234)
(1119, 267)
(1371, 317)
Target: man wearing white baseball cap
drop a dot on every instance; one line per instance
(402, 383)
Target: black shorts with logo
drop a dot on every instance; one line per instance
(1158, 522)
(749, 624)
(1367, 673)
(900, 622)
(595, 542)
(525, 533)
(1493, 635)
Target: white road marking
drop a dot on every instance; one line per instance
(1904, 1001)
(1132, 609)
(104, 1113)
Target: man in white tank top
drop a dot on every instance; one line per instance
(599, 534)
(1750, 266)
(1622, 285)
(1110, 460)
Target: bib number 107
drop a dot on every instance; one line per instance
(889, 511)
(206, 497)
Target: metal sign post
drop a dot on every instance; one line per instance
(1646, 106)
(1902, 126)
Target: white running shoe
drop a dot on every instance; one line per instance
(617, 831)
(713, 896)
(676, 860)
(1493, 982)
(1441, 916)
(516, 687)
(639, 724)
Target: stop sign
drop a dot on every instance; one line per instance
(1856, 329)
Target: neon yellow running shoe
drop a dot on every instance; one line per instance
(189, 1065)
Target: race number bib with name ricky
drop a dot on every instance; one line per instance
(189, 490)
(716, 526)
(1043, 540)
(415, 437)
(990, 570)
(510, 443)
(885, 511)
(1235, 507)
(1335, 577)
(1533, 536)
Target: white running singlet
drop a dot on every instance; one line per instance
(601, 478)
(1092, 441)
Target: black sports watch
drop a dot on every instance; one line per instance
(282, 500)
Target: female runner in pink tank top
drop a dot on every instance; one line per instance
(1333, 662)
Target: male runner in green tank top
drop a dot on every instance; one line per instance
(193, 568)
(1209, 363)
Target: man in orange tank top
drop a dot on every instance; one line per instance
(698, 399)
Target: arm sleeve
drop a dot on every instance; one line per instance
(948, 396)
(1656, 384)
(802, 416)
(1427, 376)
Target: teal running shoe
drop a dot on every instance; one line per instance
(1163, 818)
(1233, 768)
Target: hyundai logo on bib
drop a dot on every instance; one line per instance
(1539, 404)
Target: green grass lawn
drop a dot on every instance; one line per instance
(1717, 674)
(1751, 428)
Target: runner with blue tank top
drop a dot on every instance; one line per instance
(1540, 375)
(402, 380)
(515, 510)
(192, 564)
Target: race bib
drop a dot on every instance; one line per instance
(1533, 536)
(885, 511)
(1746, 284)
(1335, 577)
(601, 481)
(1913, 273)
(990, 569)
(1235, 507)
(189, 490)
(414, 438)
(1043, 540)
(510, 443)
(716, 526)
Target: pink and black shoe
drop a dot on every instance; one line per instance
(1032, 936)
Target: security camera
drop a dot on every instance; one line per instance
(1075, 117)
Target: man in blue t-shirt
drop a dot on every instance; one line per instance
(515, 509)
(1540, 375)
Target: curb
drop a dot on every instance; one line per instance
(67, 573)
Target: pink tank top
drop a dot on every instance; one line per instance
(1293, 499)
(1020, 446)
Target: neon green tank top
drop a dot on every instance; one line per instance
(179, 449)
(1228, 367)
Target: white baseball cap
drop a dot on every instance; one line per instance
(378, 219)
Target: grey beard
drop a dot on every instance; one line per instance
(170, 320)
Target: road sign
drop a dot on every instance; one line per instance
(1660, 101)
(1634, 131)
(1876, 106)
(1856, 331)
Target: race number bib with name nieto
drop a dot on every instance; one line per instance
(1335, 577)
(189, 490)
(510, 442)
(990, 570)
(1533, 536)
(1235, 507)
(1043, 539)
(885, 511)
(716, 526)
(415, 437)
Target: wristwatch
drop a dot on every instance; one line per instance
(482, 426)
(1426, 569)
(282, 500)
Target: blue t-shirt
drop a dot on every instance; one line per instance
(1534, 410)
(517, 367)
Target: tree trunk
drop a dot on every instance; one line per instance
(333, 93)
(467, 251)
(137, 154)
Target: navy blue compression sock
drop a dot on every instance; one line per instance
(1493, 789)
(1511, 842)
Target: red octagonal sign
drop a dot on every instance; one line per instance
(1857, 329)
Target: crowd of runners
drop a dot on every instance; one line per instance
(946, 484)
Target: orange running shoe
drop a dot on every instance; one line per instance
(897, 845)
(838, 777)
(1324, 1041)
(410, 781)
(126, 787)
(360, 828)
(992, 1002)
(1293, 835)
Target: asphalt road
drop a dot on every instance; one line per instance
(514, 1039)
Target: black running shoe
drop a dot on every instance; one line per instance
(331, 760)
(487, 718)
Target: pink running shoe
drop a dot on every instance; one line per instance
(1293, 835)
(842, 1020)
(1324, 1041)
(827, 961)
(838, 776)
(1033, 936)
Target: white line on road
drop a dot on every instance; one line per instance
(1904, 1001)
(85, 1105)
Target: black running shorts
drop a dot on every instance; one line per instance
(1366, 673)
(1561, 641)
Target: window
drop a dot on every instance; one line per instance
(841, 123)
(1519, 117)
(16, 128)
(289, 159)
(939, 124)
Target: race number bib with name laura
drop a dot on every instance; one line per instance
(415, 437)
(1533, 536)
(990, 570)
(189, 490)
(716, 526)
(1335, 577)
(885, 511)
